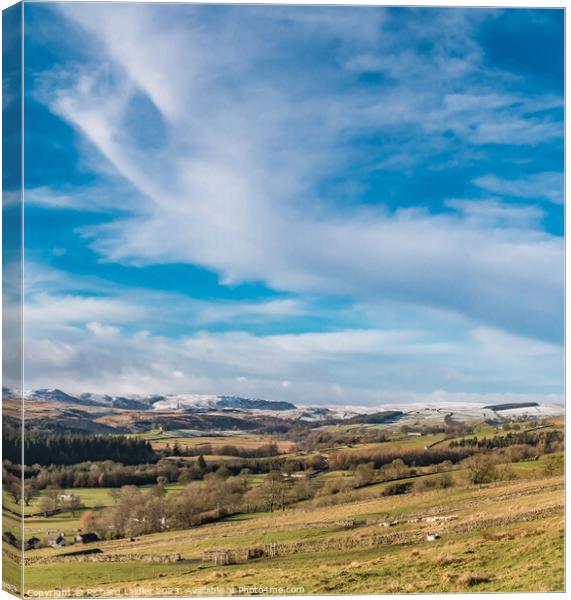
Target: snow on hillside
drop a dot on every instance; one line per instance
(287, 410)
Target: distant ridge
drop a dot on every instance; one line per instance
(511, 406)
(180, 402)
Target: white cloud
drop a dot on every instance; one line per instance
(539, 186)
(350, 366)
(493, 214)
(96, 198)
(45, 310)
(229, 189)
(225, 312)
(224, 170)
(100, 330)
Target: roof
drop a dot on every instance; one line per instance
(88, 537)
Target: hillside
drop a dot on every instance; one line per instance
(498, 528)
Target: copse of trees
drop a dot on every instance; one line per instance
(414, 457)
(102, 474)
(138, 512)
(67, 449)
(320, 439)
(549, 440)
(263, 451)
(112, 474)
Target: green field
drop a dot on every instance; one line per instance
(91, 498)
(479, 559)
(503, 536)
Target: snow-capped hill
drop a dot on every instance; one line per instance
(212, 402)
(309, 413)
(87, 399)
(55, 395)
(132, 402)
(316, 413)
(253, 403)
(180, 402)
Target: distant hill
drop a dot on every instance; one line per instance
(181, 402)
(55, 395)
(253, 403)
(385, 416)
(511, 406)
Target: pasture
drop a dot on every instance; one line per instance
(499, 525)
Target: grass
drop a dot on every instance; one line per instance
(93, 497)
(519, 556)
(71, 575)
(67, 523)
(190, 438)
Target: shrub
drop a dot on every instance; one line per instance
(471, 579)
(396, 489)
(480, 469)
(435, 483)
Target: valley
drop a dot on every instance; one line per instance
(243, 499)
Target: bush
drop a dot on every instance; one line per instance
(396, 489)
(336, 485)
(553, 466)
(471, 579)
(435, 483)
(480, 469)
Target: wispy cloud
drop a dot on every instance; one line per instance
(223, 134)
(229, 187)
(494, 214)
(367, 365)
(539, 186)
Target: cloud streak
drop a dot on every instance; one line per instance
(233, 187)
(540, 186)
(361, 366)
(238, 140)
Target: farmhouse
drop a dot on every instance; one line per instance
(10, 538)
(55, 540)
(68, 497)
(33, 543)
(86, 538)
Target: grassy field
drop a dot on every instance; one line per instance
(159, 439)
(505, 536)
(91, 498)
(508, 536)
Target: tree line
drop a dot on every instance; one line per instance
(262, 451)
(551, 440)
(67, 449)
(414, 457)
(138, 512)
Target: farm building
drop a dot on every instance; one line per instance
(33, 543)
(66, 497)
(10, 538)
(55, 540)
(86, 538)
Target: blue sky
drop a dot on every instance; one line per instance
(319, 204)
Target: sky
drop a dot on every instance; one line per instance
(327, 205)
